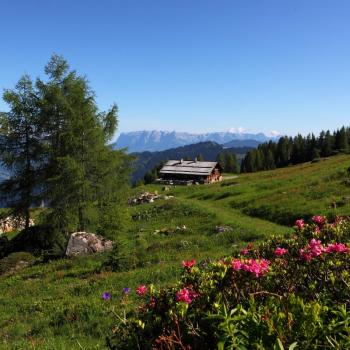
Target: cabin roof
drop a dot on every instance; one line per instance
(189, 167)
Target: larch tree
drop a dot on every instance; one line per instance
(86, 179)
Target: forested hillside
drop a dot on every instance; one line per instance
(288, 150)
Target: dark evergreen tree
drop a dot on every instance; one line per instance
(327, 144)
(153, 174)
(228, 161)
(342, 140)
(200, 157)
(85, 177)
(283, 151)
(231, 165)
(20, 148)
(221, 160)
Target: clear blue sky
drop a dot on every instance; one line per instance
(193, 65)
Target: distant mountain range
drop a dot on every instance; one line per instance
(146, 161)
(140, 141)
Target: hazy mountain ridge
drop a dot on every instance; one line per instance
(153, 141)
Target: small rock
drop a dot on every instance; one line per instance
(220, 229)
(12, 223)
(83, 243)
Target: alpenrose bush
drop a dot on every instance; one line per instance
(286, 293)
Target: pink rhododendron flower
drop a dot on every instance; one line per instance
(244, 251)
(305, 255)
(141, 290)
(236, 264)
(247, 249)
(280, 251)
(259, 268)
(315, 247)
(336, 248)
(319, 220)
(189, 264)
(299, 224)
(264, 265)
(186, 296)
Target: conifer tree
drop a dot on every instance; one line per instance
(341, 140)
(20, 148)
(327, 144)
(221, 160)
(85, 177)
(200, 157)
(231, 165)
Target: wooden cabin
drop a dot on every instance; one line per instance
(190, 171)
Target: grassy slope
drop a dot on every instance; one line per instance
(59, 306)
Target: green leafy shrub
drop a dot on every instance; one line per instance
(287, 293)
(118, 259)
(40, 240)
(15, 262)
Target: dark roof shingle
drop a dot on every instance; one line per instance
(189, 167)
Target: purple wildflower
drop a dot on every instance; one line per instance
(106, 296)
(126, 290)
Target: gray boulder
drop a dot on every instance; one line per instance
(83, 243)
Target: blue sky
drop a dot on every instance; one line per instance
(193, 65)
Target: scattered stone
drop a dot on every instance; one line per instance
(169, 231)
(83, 243)
(220, 229)
(147, 197)
(12, 223)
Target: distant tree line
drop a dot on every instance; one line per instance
(228, 161)
(289, 150)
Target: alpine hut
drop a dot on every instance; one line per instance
(187, 172)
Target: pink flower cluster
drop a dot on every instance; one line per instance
(336, 248)
(189, 264)
(315, 248)
(299, 224)
(186, 295)
(259, 268)
(280, 251)
(319, 220)
(247, 249)
(141, 290)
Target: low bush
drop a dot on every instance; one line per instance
(287, 293)
(15, 262)
(40, 240)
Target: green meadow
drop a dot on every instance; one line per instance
(59, 305)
